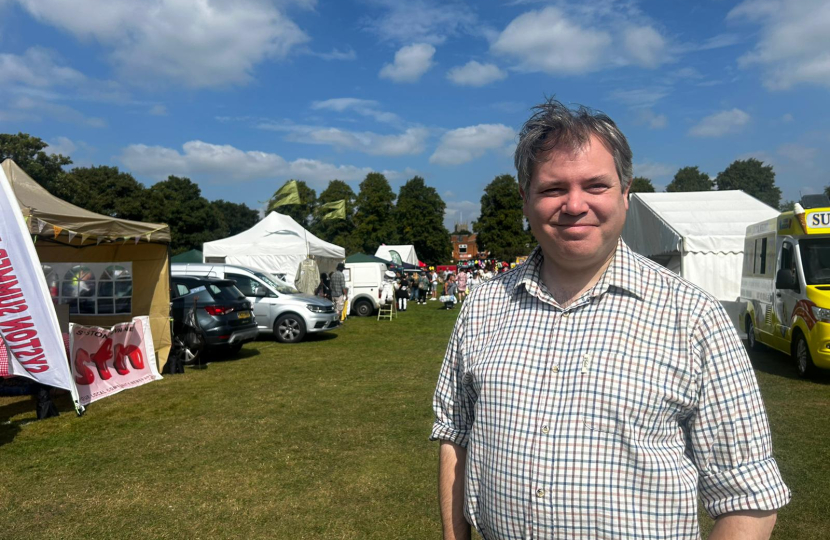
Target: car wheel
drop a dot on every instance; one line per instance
(803, 360)
(751, 339)
(363, 308)
(289, 328)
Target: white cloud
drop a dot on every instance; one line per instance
(411, 62)
(461, 212)
(720, 124)
(654, 170)
(336, 54)
(475, 74)
(409, 142)
(61, 145)
(798, 153)
(574, 39)
(466, 144)
(225, 163)
(787, 118)
(33, 108)
(651, 119)
(422, 21)
(37, 67)
(794, 45)
(548, 41)
(640, 97)
(645, 46)
(197, 43)
(363, 107)
(158, 110)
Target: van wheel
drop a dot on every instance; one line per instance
(363, 308)
(803, 360)
(289, 328)
(751, 340)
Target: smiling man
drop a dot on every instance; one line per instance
(591, 393)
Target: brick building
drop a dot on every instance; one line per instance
(464, 246)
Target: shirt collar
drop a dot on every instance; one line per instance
(624, 273)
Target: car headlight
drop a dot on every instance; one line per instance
(821, 314)
(316, 309)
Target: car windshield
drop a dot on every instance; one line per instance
(815, 260)
(276, 284)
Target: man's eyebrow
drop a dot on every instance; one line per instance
(599, 178)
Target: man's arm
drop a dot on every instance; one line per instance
(746, 525)
(452, 462)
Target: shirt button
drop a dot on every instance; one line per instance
(545, 428)
(566, 315)
(555, 369)
(540, 493)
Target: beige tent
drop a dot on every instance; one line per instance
(69, 234)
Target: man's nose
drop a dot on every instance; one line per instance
(575, 203)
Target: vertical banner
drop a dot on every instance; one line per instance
(106, 361)
(28, 323)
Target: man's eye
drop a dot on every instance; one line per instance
(596, 188)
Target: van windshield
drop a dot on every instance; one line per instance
(279, 286)
(815, 260)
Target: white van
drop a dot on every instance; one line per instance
(365, 281)
(278, 307)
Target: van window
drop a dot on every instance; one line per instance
(760, 256)
(247, 285)
(278, 285)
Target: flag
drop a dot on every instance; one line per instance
(287, 194)
(334, 210)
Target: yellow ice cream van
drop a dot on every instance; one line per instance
(785, 285)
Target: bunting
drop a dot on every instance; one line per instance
(57, 230)
(72, 235)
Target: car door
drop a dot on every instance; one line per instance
(786, 299)
(260, 305)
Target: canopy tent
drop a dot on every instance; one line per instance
(80, 252)
(363, 258)
(192, 256)
(277, 244)
(699, 235)
(407, 253)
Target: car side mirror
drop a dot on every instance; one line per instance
(261, 292)
(785, 280)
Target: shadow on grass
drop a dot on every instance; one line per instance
(779, 364)
(316, 337)
(225, 356)
(26, 407)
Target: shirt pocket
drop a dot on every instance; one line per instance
(628, 393)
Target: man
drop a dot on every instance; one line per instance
(338, 289)
(423, 288)
(591, 393)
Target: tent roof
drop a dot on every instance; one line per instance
(276, 234)
(35, 201)
(700, 221)
(362, 258)
(192, 256)
(407, 252)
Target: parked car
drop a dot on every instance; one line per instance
(222, 313)
(279, 308)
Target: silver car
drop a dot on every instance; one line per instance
(278, 307)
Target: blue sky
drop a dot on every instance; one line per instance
(240, 95)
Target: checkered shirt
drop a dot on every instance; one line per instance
(605, 419)
(338, 284)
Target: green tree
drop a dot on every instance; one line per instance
(690, 179)
(301, 213)
(500, 225)
(238, 217)
(752, 177)
(641, 185)
(374, 218)
(419, 216)
(27, 152)
(336, 231)
(104, 190)
(193, 220)
(789, 206)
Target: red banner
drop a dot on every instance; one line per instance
(106, 361)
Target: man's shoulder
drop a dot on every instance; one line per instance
(500, 287)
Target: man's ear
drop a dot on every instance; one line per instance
(627, 193)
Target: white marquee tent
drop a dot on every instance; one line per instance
(276, 244)
(699, 235)
(407, 253)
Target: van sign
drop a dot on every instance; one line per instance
(819, 220)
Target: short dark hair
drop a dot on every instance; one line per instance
(553, 124)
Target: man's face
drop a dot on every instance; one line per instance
(575, 205)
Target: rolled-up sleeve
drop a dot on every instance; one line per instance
(451, 403)
(729, 433)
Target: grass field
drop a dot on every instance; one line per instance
(323, 439)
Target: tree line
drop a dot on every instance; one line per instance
(373, 216)
(749, 175)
